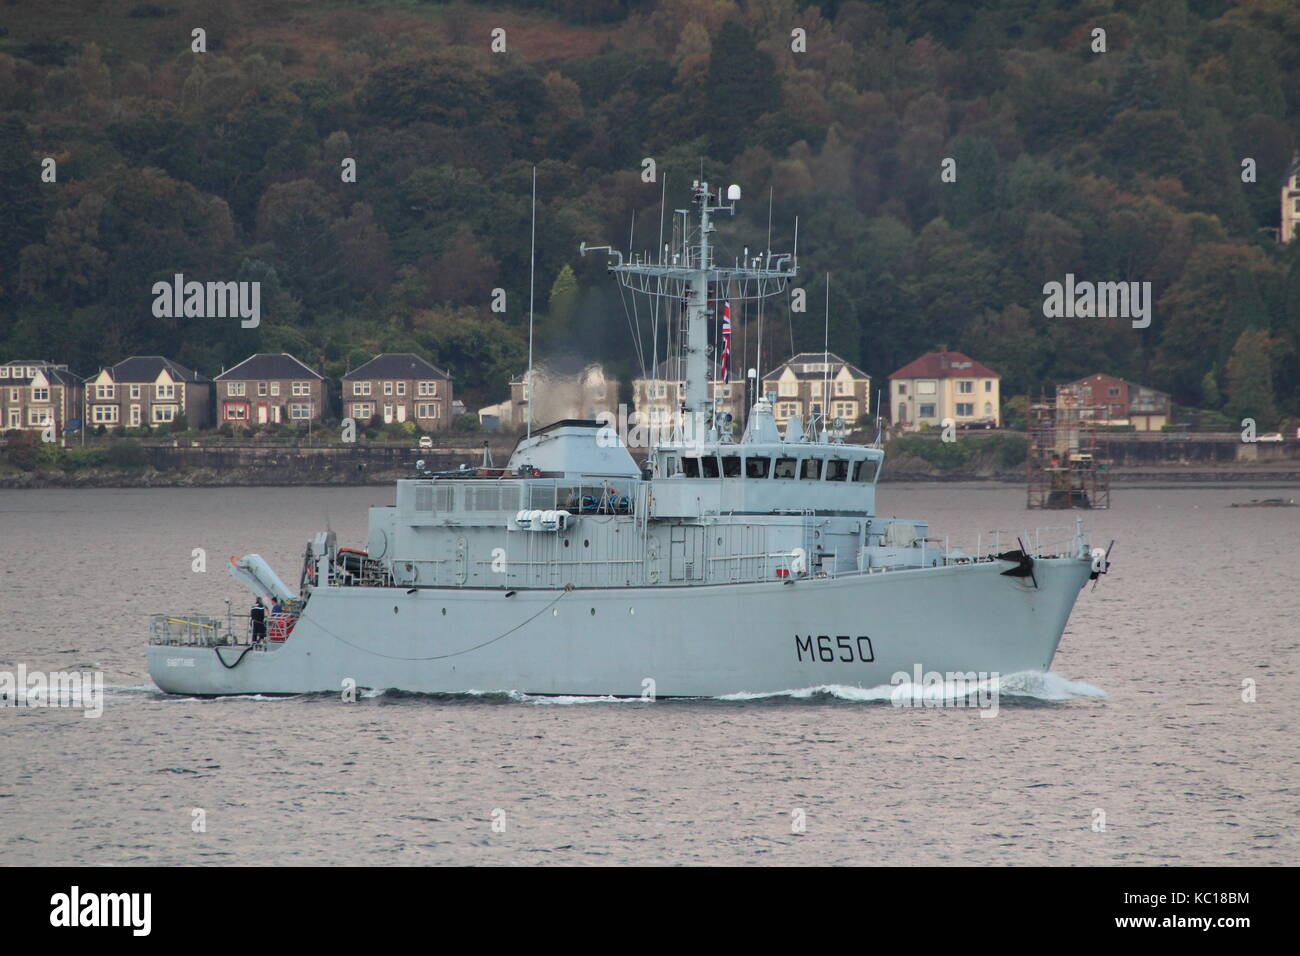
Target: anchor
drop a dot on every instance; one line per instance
(1024, 563)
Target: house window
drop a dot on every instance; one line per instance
(360, 388)
(846, 410)
(162, 391)
(135, 416)
(401, 388)
(988, 385)
(425, 389)
(235, 388)
(388, 388)
(135, 391)
(925, 388)
(40, 394)
(39, 416)
(104, 414)
(105, 392)
(363, 410)
(787, 409)
(1113, 390)
(988, 409)
(925, 411)
(902, 388)
(842, 388)
(15, 418)
(722, 391)
(302, 388)
(965, 409)
(13, 395)
(426, 411)
(262, 388)
(4, 372)
(788, 389)
(275, 388)
(299, 411)
(965, 388)
(163, 413)
(237, 413)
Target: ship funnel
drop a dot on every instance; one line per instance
(733, 192)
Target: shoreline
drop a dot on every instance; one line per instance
(269, 478)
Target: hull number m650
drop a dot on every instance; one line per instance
(826, 648)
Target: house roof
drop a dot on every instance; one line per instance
(945, 364)
(147, 368)
(1102, 376)
(269, 366)
(809, 358)
(401, 365)
(54, 374)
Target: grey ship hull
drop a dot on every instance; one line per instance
(699, 641)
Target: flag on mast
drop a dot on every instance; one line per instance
(726, 342)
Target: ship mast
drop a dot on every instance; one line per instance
(687, 275)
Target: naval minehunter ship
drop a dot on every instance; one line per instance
(716, 565)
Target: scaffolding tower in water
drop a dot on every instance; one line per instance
(1065, 468)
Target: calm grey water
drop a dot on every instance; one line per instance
(1202, 598)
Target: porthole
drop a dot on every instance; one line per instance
(586, 543)
(444, 612)
(394, 608)
(631, 610)
(566, 542)
(593, 612)
(555, 612)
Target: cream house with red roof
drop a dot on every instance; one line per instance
(945, 384)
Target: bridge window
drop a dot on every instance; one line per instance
(864, 470)
(709, 465)
(757, 467)
(730, 466)
(785, 468)
(691, 467)
(810, 469)
(837, 469)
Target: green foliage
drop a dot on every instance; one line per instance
(1117, 167)
(126, 454)
(23, 449)
(1250, 380)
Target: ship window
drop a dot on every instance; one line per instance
(757, 467)
(785, 468)
(864, 470)
(691, 467)
(837, 469)
(810, 468)
(710, 465)
(730, 466)
(670, 466)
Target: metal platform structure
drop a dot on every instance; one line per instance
(1065, 469)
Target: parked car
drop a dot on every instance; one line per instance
(1271, 436)
(426, 441)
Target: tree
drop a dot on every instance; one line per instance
(742, 84)
(1210, 397)
(1250, 379)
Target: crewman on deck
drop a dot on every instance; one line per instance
(257, 617)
